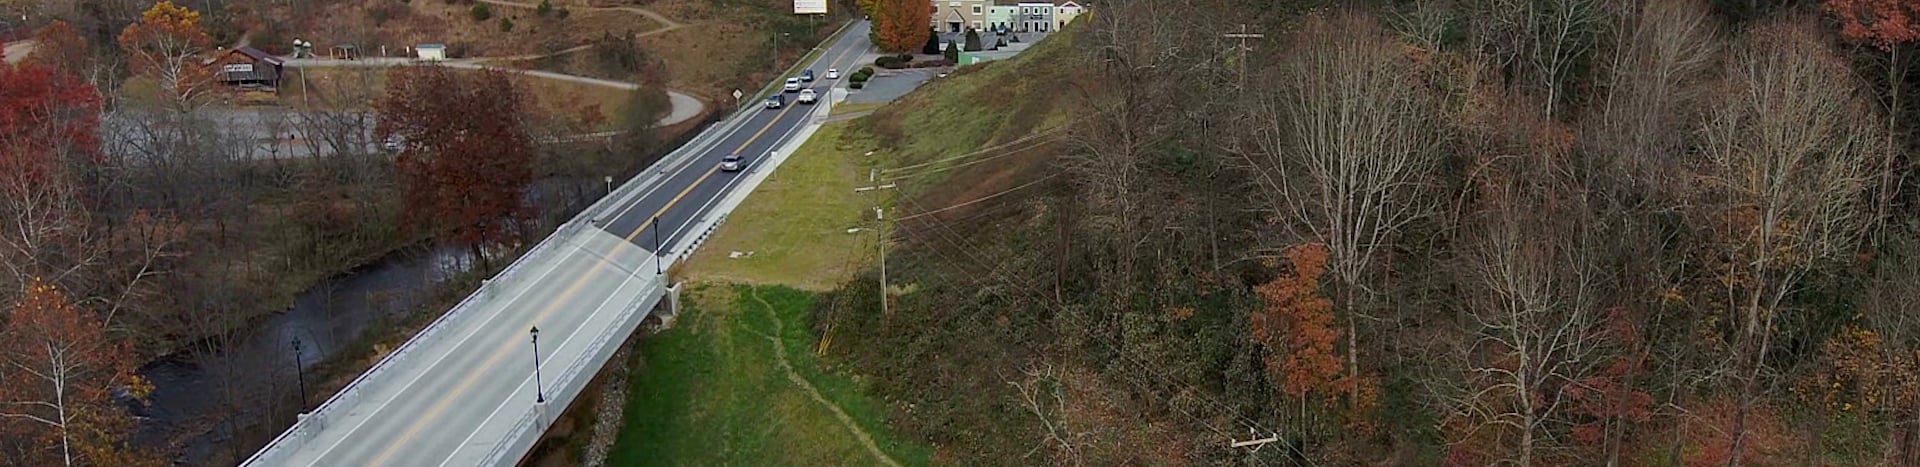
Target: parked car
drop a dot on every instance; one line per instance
(732, 163)
(793, 84)
(776, 101)
(807, 96)
(833, 73)
(806, 75)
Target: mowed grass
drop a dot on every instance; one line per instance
(713, 393)
(795, 224)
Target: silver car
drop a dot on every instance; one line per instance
(732, 163)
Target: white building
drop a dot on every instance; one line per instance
(1064, 12)
(430, 52)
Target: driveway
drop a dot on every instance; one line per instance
(685, 107)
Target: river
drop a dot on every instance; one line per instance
(200, 399)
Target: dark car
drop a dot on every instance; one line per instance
(806, 75)
(777, 101)
(732, 163)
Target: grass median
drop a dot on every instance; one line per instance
(737, 380)
(793, 229)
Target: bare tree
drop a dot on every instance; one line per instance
(1531, 283)
(1541, 42)
(1343, 148)
(1784, 177)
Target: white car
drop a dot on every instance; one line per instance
(793, 84)
(833, 73)
(732, 163)
(807, 96)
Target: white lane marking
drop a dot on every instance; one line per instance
(523, 381)
(498, 312)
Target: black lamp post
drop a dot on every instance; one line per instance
(300, 372)
(656, 246)
(539, 393)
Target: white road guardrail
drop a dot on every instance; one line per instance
(304, 427)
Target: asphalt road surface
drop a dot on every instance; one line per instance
(692, 188)
(454, 398)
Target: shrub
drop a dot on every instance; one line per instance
(857, 84)
(562, 13)
(858, 78)
(953, 52)
(894, 61)
(545, 9)
(999, 43)
(480, 12)
(866, 70)
(933, 42)
(973, 40)
(506, 25)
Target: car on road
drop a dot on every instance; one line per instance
(776, 101)
(807, 96)
(833, 73)
(793, 84)
(806, 75)
(732, 163)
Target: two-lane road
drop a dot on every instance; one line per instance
(691, 188)
(456, 396)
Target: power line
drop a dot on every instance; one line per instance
(978, 200)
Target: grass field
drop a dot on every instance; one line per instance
(353, 86)
(714, 391)
(796, 222)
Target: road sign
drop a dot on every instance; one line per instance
(737, 94)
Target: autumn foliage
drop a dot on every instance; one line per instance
(901, 25)
(1296, 326)
(466, 155)
(166, 45)
(61, 370)
(1883, 23)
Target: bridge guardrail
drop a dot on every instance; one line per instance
(275, 451)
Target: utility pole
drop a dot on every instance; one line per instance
(1256, 443)
(879, 230)
(880, 240)
(1243, 35)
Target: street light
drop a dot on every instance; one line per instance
(300, 372)
(539, 393)
(656, 247)
(609, 180)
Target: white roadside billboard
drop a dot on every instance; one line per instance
(809, 7)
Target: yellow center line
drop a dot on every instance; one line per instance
(835, 63)
(566, 295)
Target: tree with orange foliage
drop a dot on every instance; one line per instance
(48, 121)
(466, 154)
(1296, 326)
(166, 45)
(61, 371)
(900, 26)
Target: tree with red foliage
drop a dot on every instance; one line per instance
(61, 371)
(1609, 401)
(1889, 25)
(466, 155)
(49, 121)
(166, 45)
(59, 47)
(900, 26)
